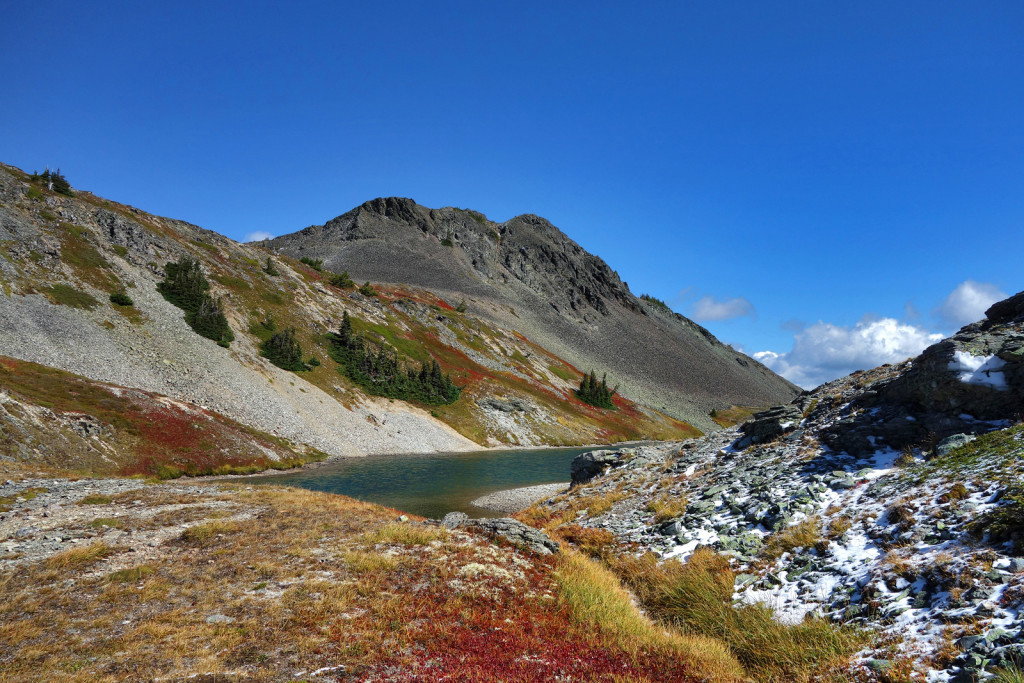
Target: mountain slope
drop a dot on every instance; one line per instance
(525, 274)
(62, 258)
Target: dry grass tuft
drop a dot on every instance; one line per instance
(406, 534)
(596, 598)
(78, 558)
(593, 542)
(803, 534)
(667, 506)
(697, 598)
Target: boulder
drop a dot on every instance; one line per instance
(586, 466)
(453, 520)
(518, 534)
(952, 442)
(769, 424)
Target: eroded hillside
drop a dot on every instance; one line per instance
(63, 258)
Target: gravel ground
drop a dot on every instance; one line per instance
(514, 500)
(165, 356)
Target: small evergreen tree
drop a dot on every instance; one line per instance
(284, 351)
(208, 321)
(270, 268)
(380, 371)
(342, 281)
(367, 289)
(315, 264)
(54, 181)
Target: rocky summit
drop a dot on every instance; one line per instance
(526, 274)
(888, 501)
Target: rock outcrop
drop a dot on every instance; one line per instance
(840, 504)
(518, 534)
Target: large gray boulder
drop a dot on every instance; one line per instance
(518, 534)
(586, 466)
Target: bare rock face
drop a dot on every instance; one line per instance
(955, 386)
(527, 275)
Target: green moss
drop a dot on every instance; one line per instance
(231, 282)
(998, 455)
(1005, 522)
(563, 372)
(120, 251)
(65, 295)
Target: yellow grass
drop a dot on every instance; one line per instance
(597, 599)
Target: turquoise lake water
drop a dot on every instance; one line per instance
(434, 484)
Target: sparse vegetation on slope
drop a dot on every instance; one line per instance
(57, 419)
(186, 287)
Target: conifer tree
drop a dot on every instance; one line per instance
(284, 351)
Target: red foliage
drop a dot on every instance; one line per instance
(493, 633)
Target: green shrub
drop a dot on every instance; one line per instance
(270, 268)
(120, 298)
(315, 264)
(367, 289)
(342, 281)
(447, 241)
(284, 351)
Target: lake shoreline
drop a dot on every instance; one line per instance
(270, 472)
(515, 500)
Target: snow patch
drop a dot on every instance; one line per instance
(984, 370)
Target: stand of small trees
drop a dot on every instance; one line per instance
(284, 351)
(380, 372)
(54, 181)
(186, 287)
(596, 393)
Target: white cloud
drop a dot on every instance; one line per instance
(708, 308)
(257, 236)
(968, 302)
(824, 351)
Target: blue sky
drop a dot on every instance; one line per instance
(829, 182)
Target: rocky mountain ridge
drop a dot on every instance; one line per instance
(526, 274)
(889, 500)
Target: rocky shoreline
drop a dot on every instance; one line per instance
(514, 500)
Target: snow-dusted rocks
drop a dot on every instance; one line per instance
(868, 501)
